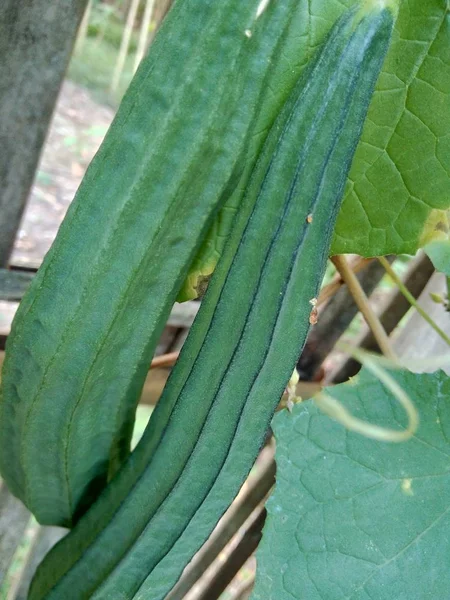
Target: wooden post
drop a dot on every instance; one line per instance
(144, 33)
(419, 272)
(36, 40)
(83, 31)
(123, 51)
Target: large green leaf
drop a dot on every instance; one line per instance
(400, 179)
(356, 519)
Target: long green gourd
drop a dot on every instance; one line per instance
(86, 331)
(244, 344)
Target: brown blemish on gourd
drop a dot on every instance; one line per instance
(314, 315)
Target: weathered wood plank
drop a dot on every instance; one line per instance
(37, 39)
(14, 284)
(13, 521)
(246, 544)
(416, 278)
(245, 590)
(418, 340)
(154, 385)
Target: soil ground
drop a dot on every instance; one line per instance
(77, 130)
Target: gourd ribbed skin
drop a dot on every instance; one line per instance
(218, 403)
(85, 333)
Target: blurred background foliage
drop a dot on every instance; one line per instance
(97, 51)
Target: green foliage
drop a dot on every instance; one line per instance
(105, 24)
(401, 171)
(356, 519)
(93, 67)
